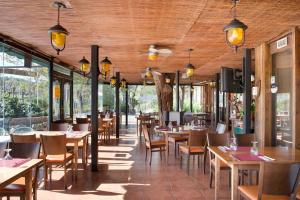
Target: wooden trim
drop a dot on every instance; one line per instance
(296, 87)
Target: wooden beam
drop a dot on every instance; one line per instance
(117, 109)
(247, 97)
(217, 99)
(94, 105)
(50, 107)
(177, 90)
(296, 87)
(263, 110)
(126, 107)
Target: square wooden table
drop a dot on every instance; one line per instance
(10, 174)
(277, 153)
(73, 137)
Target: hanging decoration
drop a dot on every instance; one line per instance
(105, 67)
(190, 68)
(84, 65)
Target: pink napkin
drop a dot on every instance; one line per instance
(243, 149)
(247, 157)
(15, 162)
(162, 128)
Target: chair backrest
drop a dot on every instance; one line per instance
(2, 147)
(25, 138)
(278, 178)
(25, 150)
(54, 144)
(221, 128)
(59, 126)
(82, 120)
(20, 130)
(174, 123)
(81, 127)
(244, 139)
(145, 130)
(214, 139)
(197, 138)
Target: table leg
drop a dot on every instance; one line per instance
(76, 157)
(84, 150)
(217, 177)
(137, 126)
(28, 185)
(234, 182)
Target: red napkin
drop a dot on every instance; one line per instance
(247, 157)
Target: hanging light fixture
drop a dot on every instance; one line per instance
(168, 80)
(148, 73)
(152, 56)
(113, 81)
(56, 90)
(235, 30)
(105, 64)
(190, 68)
(123, 83)
(58, 34)
(84, 65)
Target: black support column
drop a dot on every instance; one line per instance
(94, 106)
(177, 90)
(50, 108)
(126, 107)
(117, 105)
(217, 99)
(191, 97)
(247, 90)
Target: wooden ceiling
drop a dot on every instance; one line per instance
(125, 28)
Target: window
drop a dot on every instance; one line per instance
(23, 90)
(81, 95)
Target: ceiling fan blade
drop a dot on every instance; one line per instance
(156, 72)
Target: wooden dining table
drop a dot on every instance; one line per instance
(230, 158)
(10, 174)
(73, 137)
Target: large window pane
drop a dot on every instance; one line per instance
(23, 91)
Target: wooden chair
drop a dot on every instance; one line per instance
(17, 138)
(2, 147)
(176, 139)
(82, 145)
(153, 145)
(55, 153)
(18, 187)
(214, 139)
(23, 129)
(196, 146)
(104, 130)
(277, 180)
(244, 140)
(144, 120)
(59, 126)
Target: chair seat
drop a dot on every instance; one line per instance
(177, 139)
(191, 149)
(158, 143)
(251, 192)
(17, 186)
(58, 158)
(222, 164)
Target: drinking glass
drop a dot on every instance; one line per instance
(254, 148)
(7, 155)
(233, 144)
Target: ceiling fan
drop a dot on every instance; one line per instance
(148, 74)
(155, 51)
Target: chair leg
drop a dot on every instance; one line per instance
(45, 176)
(204, 161)
(188, 165)
(146, 154)
(175, 149)
(180, 161)
(65, 176)
(160, 153)
(210, 179)
(198, 160)
(150, 156)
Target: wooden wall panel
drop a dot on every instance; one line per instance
(263, 107)
(296, 87)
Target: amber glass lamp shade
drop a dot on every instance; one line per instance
(58, 37)
(152, 56)
(84, 65)
(190, 70)
(113, 81)
(235, 33)
(105, 64)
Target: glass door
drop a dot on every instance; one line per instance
(62, 98)
(282, 99)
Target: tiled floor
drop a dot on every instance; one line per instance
(125, 175)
